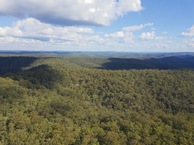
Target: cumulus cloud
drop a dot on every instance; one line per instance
(66, 12)
(126, 34)
(35, 30)
(190, 43)
(150, 36)
(32, 34)
(189, 32)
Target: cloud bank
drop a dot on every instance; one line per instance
(150, 36)
(32, 29)
(70, 12)
(126, 34)
(33, 34)
(190, 35)
(189, 32)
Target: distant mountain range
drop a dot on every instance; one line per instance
(15, 62)
(106, 54)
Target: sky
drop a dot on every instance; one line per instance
(97, 25)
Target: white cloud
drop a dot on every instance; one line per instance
(127, 33)
(31, 34)
(150, 36)
(119, 34)
(124, 6)
(190, 43)
(136, 27)
(35, 30)
(189, 32)
(67, 12)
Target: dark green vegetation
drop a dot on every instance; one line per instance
(14, 64)
(173, 62)
(75, 100)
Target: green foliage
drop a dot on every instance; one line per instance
(69, 101)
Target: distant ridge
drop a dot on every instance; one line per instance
(33, 52)
(106, 54)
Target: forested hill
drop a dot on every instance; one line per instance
(13, 64)
(173, 62)
(96, 101)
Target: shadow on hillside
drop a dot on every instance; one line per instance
(14, 64)
(175, 62)
(36, 77)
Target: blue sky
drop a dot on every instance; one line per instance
(97, 25)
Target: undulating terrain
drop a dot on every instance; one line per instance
(87, 100)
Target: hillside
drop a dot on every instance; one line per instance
(96, 101)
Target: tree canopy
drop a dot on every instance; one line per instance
(73, 101)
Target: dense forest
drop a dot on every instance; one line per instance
(96, 101)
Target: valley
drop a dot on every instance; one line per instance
(94, 100)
